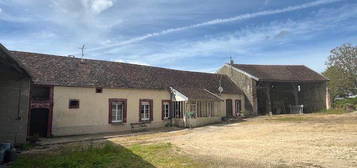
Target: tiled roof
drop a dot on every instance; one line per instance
(68, 71)
(287, 73)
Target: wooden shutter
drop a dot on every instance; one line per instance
(162, 110)
(124, 111)
(151, 110)
(110, 112)
(140, 110)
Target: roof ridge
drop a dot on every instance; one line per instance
(149, 66)
(271, 64)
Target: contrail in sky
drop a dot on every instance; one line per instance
(218, 21)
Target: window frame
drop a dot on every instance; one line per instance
(193, 104)
(163, 107)
(150, 110)
(124, 111)
(71, 106)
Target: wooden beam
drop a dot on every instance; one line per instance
(269, 109)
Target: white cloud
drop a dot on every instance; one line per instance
(247, 43)
(219, 21)
(100, 5)
(97, 6)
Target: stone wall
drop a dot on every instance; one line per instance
(246, 84)
(14, 105)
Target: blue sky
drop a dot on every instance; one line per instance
(197, 35)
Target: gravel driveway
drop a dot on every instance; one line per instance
(311, 140)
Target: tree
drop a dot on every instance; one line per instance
(339, 85)
(342, 70)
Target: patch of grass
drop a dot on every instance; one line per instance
(108, 155)
(26, 146)
(333, 111)
(293, 118)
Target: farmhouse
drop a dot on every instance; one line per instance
(47, 95)
(279, 89)
(71, 96)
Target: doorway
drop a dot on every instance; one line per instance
(39, 122)
(229, 109)
(238, 109)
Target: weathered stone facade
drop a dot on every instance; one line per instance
(246, 84)
(277, 96)
(14, 102)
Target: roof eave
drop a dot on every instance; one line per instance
(243, 72)
(18, 67)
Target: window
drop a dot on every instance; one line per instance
(209, 109)
(73, 104)
(98, 90)
(165, 109)
(178, 109)
(193, 107)
(145, 110)
(117, 110)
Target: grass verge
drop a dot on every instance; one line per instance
(109, 155)
(333, 111)
(292, 118)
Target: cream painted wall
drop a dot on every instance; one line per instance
(92, 115)
(233, 97)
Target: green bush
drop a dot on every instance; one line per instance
(342, 104)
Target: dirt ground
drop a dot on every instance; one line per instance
(311, 140)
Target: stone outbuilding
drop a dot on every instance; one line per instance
(14, 99)
(279, 89)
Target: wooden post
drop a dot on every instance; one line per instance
(269, 99)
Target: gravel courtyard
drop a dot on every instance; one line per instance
(311, 140)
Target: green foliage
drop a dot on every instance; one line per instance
(346, 103)
(339, 84)
(342, 70)
(108, 155)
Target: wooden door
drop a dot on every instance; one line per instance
(229, 109)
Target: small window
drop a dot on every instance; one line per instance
(73, 104)
(193, 107)
(117, 111)
(146, 113)
(98, 90)
(165, 109)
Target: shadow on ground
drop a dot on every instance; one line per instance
(103, 155)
